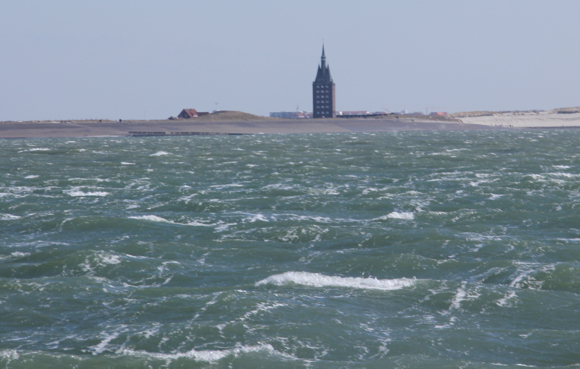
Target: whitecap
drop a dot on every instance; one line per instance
(77, 193)
(18, 254)
(9, 355)
(505, 301)
(100, 260)
(107, 338)
(568, 239)
(125, 163)
(31, 176)
(88, 179)
(221, 187)
(187, 198)
(160, 153)
(39, 149)
(317, 219)
(152, 218)
(224, 227)
(110, 259)
(162, 268)
(203, 355)
(561, 174)
(261, 308)
(524, 274)
(196, 223)
(460, 295)
(9, 217)
(258, 217)
(321, 280)
(477, 183)
(398, 215)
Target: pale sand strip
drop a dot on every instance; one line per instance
(526, 120)
(72, 129)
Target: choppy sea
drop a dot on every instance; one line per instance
(368, 250)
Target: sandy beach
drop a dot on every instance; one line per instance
(558, 118)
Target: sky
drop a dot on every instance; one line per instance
(145, 59)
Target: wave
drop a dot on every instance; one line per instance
(397, 215)
(321, 280)
(155, 218)
(203, 355)
(152, 218)
(34, 149)
(160, 153)
(78, 193)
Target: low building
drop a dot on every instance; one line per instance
(188, 114)
(361, 114)
(291, 115)
(191, 113)
(356, 112)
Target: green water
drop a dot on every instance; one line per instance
(402, 250)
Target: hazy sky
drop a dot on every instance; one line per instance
(70, 59)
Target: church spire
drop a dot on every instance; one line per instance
(323, 74)
(323, 91)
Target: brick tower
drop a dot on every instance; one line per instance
(323, 91)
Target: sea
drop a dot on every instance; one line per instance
(426, 249)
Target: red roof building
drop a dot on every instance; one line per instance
(188, 114)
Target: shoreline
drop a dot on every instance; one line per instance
(72, 129)
(193, 127)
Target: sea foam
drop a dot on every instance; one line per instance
(78, 193)
(203, 355)
(320, 280)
